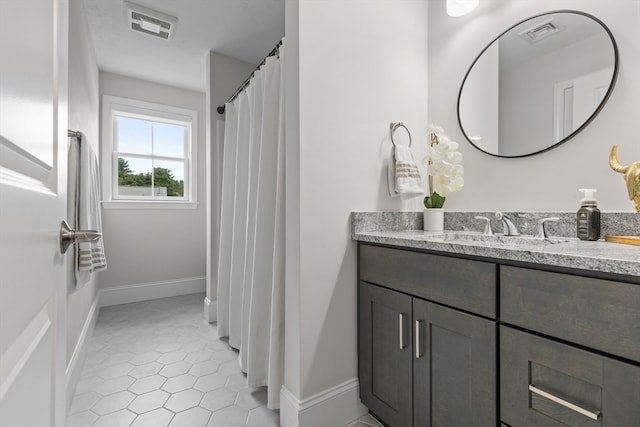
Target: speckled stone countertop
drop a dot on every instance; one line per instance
(404, 230)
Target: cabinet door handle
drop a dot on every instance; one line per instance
(593, 415)
(401, 330)
(418, 345)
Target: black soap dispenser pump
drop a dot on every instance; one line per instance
(588, 216)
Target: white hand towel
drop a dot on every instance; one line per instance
(404, 177)
(89, 256)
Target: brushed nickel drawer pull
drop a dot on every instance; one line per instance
(593, 415)
(418, 346)
(401, 330)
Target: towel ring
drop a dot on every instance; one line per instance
(394, 126)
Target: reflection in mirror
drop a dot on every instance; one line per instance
(538, 84)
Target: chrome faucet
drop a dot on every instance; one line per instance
(509, 228)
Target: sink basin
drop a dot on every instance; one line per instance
(471, 236)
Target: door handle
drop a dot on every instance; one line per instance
(593, 415)
(419, 352)
(68, 236)
(401, 318)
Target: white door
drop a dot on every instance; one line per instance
(33, 185)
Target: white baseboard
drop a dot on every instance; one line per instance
(337, 406)
(210, 310)
(74, 367)
(152, 290)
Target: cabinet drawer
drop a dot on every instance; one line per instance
(545, 383)
(601, 314)
(464, 284)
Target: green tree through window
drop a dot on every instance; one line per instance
(162, 178)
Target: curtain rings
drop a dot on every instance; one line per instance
(394, 126)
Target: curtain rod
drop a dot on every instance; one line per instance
(244, 84)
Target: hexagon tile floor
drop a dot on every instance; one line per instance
(160, 364)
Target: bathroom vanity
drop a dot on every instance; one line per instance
(469, 333)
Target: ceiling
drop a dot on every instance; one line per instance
(243, 29)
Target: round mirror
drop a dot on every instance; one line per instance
(538, 84)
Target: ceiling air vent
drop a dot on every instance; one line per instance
(539, 32)
(145, 20)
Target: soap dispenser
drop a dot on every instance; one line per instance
(588, 216)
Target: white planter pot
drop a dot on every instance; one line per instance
(433, 219)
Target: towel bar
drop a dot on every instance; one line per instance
(394, 126)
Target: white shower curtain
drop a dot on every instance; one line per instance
(250, 296)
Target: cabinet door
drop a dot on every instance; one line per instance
(384, 353)
(544, 383)
(455, 368)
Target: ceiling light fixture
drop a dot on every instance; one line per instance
(460, 7)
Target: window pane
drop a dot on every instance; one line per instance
(169, 178)
(134, 135)
(134, 176)
(168, 140)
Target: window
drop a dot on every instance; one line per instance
(149, 154)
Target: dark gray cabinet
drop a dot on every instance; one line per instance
(421, 363)
(544, 383)
(575, 375)
(569, 344)
(384, 353)
(454, 368)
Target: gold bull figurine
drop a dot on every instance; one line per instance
(631, 176)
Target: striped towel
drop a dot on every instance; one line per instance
(404, 177)
(89, 256)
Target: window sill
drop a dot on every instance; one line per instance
(138, 204)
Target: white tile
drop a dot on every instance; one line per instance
(184, 400)
(231, 416)
(117, 358)
(121, 418)
(210, 382)
(263, 417)
(177, 368)
(146, 370)
(224, 355)
(81, 419)
(156, 418)
(218, 399)
(147, 384)
(84, 401)
(194, 417)
(114, 385)
(88, 384)
(199, 356)
(251, 398)
(109, 372)
(229, 367)
(168, 347)
(192, 346)
(237, 382)
(149, 401)
(146, 357)
(204, 368)
(171, 357)
(179, 383)
(113, 402)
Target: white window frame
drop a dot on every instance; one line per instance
(113, 106)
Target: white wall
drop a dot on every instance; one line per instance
(360, 65)
(156, 246)
(224, 76)
(547, 181)
(84, 117)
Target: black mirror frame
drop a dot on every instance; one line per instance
(614, 78)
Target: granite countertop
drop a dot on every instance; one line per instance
(570, 252)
